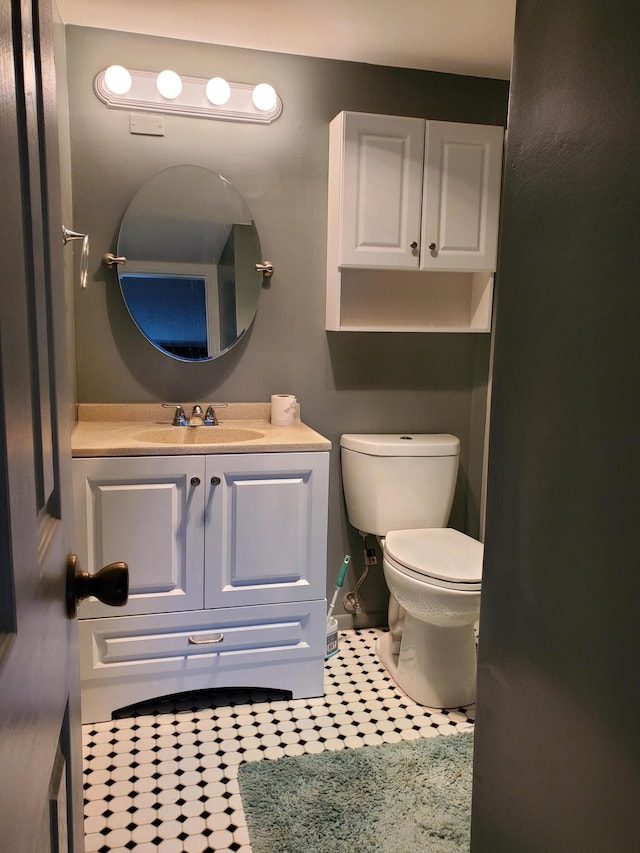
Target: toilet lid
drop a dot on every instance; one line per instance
(443, 554)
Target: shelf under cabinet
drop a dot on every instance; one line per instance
(410, 301)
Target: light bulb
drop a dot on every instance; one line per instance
(117, 80)
(218, 91)
(169, 84)
(264, 97)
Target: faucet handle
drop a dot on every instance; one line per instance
(210, 417)
(179, 419)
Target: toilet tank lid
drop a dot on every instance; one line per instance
(403, 444)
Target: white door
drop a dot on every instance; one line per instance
(381, 190)
(461, 196)
(149, 512)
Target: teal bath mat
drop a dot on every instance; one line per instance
(409, 797)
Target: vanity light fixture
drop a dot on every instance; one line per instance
(168, 92)
(218, 91)
(117, 79)
(264, 97)
(169, 84)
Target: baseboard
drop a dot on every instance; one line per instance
(354, 621)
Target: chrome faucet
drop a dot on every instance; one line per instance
(196, 417)
(179, 419)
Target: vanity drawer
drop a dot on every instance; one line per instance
(126, 659)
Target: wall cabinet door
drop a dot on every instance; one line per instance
(419, 194)
(461, 196)
(381, 189)
(266, 528)
(149, 512)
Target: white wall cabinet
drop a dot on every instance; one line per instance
(227, 567)
(412, 223)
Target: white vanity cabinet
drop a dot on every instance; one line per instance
(412, 223)
(227, 568)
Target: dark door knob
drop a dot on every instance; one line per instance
(110, 585)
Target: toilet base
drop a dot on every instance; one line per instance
(436, 666)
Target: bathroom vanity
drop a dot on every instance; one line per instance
(224, 530)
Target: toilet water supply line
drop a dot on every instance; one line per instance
(352, 601)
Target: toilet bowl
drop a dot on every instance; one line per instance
(435, 577)
(400, 488)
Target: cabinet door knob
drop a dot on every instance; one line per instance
(195, 481)
(414, 245)
(215, 481)
(433, 247)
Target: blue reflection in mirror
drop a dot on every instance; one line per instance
(171, 311)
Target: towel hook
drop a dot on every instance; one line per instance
(67, 236)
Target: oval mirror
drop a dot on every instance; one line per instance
(191, 247)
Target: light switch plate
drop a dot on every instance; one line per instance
(147, 125)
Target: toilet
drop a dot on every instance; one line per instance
(400, 488)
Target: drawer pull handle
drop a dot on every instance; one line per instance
(195, 481)
(193, 641)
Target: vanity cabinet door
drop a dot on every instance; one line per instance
(266, 528)
(380, 189)
(461, 196)
(147, 511)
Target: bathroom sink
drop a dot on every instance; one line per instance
(199, 435)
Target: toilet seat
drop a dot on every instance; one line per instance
(439, 556)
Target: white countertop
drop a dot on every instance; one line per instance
(117, 429)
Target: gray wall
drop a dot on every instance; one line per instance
(71, 252)
(557, 749)
(345, 382)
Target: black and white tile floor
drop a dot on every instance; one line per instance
(164, 779)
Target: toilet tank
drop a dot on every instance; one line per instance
(399, 481)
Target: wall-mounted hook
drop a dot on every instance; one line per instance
(67, 236)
